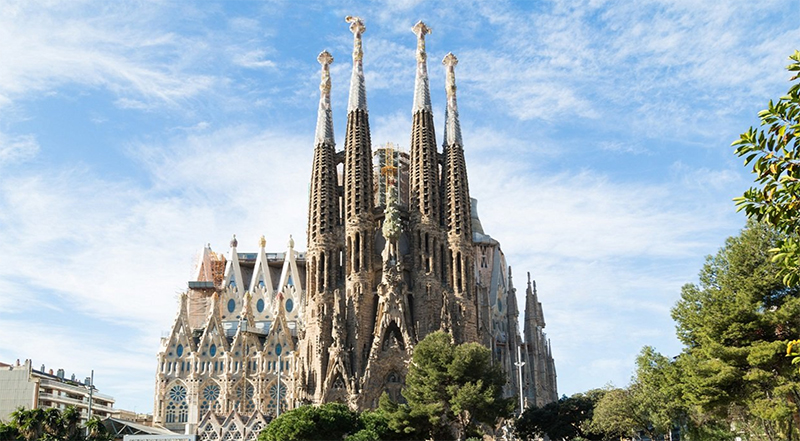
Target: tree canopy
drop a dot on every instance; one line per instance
(567, 418)
(774, 153)
(450, 391)
(735, 325)
(52, 425)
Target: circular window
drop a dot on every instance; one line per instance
(177, 393)
(278, 349)
(289, 305)
(260, 305)
(231, 305)
(179, 350)
(212, 350)
(211, 392)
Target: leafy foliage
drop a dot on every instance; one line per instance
(735, 325)
(51, 425)
(450, 390)
(774, 153)
(330, 421)
(567, 418)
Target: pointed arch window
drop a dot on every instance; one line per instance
(177, 409)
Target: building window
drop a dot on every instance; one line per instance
(177, 409)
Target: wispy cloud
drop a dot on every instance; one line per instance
(17, 148)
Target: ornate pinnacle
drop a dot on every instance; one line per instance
(325, 59)
(234, 242)
(422, 94)
(452, 127)
(357, 28)
(358, 92)
(421, 29)
(450, 61)
(324, 131)
(262, 242)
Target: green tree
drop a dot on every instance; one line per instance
(50, 425)
(774, 153)
(29, 423)
(8, 432)
(567, 418)
(450, 390)
(325, 422)
(735, 325)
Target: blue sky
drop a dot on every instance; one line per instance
(597, 137)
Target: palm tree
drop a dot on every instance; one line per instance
(97, 431)
(52, 423)
(8, 432)
(29, 423)
(71, 421)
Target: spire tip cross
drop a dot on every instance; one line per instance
(450, 60)
(325, 58)
(421, 29)
(356, 24)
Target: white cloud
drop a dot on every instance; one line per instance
(17, 148)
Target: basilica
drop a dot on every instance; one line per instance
(395, 252)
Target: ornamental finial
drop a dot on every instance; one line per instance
(450, 61)
(325, 59)
(324, 132)
(234, 242)
(421, 29)
(452, 126)
(357, 28)
(422, 94)
(291, 242)
(358, 92)
(262, 242)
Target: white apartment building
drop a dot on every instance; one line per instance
(23, 386)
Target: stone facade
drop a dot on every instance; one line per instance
(260, 333)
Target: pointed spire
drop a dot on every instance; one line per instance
(324, 132)
(358, 91)
(452, 128)
(422, 94)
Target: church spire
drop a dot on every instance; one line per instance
(324, 132)
(422, 93)
(358, 91)
(359, 221)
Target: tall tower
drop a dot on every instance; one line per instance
(429, 311)
(457, 217)
(359, 222)
(324, 244)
